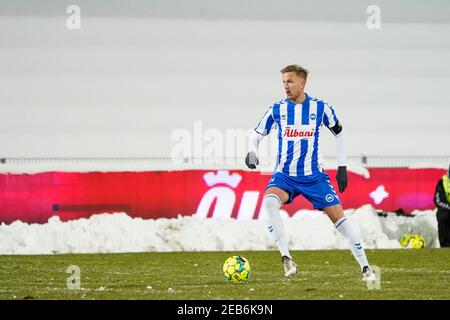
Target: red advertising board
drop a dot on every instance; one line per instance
(220, 194)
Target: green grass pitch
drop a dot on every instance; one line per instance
(326, 274)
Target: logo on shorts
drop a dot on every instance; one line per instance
(329, 197)
(312, 116)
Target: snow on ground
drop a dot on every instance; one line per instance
(307, 230)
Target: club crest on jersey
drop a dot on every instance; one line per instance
(295, 133)
(312, 116)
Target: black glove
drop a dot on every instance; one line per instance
(341, 178)
(251, 160)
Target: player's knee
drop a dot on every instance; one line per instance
(282, 195)
(271, 201)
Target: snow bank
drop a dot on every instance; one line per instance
(308, 230)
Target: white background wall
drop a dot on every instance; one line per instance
(132, 75)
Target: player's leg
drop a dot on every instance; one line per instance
(336, 215)
(323, 196)
(274, 197)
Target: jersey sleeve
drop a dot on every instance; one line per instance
(265, 125)
(330, 120)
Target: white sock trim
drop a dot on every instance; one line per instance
(271, 195)
(340, 221)
(343, 226)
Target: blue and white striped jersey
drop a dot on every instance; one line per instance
(298, 133)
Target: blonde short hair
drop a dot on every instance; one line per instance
(300, 71)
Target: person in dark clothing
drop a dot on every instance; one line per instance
(442, 201)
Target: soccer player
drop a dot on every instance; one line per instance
(299, 118)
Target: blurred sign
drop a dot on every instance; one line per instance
(219, 194)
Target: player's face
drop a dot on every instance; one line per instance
(293, 85)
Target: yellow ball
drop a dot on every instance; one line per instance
(405, 240)
(413, 241)
(236, 269)
(417, 242)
